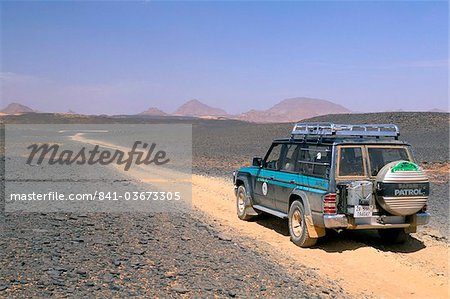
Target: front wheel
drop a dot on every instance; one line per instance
(297, 226)
(394, 235)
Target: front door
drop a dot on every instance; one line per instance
(265, 180)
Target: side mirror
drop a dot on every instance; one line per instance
(257, 162)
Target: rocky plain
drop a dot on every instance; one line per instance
(192, 253)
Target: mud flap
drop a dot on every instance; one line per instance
(413, 224)
(249, 207)
(313, 231)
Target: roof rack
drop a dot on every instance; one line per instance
(335, 130)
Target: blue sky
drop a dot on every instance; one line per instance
(123, 57)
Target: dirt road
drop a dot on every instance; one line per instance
(358, 261)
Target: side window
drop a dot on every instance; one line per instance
(322, 159)
(290, 155)
(304, 164)
(273, 159)
(351, 162)
(314, 160)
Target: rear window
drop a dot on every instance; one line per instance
(380, 156)
(351, 161)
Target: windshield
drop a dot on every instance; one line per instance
(380, 156)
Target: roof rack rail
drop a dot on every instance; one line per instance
(341, 130)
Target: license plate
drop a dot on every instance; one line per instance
(363, 211)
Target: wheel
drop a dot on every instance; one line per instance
(240, 204)
(297, 226)
(395, 235)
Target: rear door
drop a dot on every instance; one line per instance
(351, 163)
(313, 164)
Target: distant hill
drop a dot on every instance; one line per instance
(197, 108)
(438, 110)
(15, 108)
(152, 111)
(293, 109)
(408, 122)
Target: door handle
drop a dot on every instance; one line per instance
(292, 181)
(271, 178)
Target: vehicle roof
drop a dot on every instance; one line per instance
(337, 141)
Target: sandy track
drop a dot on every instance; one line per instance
(357, 262)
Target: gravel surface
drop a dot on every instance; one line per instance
(107, 255)
(438, 206)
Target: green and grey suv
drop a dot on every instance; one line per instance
(334, 176)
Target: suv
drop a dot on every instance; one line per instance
(332, 176)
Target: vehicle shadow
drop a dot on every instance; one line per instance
(352, 240)
(274, 223)
(345, 240)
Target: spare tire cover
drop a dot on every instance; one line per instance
(402, 188)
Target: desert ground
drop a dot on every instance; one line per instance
(207, 251)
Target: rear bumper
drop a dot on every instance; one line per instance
(375, 222)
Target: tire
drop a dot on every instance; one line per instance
(240, 204)
(395, 235)
(297, 226)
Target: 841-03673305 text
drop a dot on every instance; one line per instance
(98, 196)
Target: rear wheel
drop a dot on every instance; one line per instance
(297, 226)
(395, 235)
(241, 197)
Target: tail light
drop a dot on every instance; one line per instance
(329, 204)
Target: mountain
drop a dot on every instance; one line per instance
(197, 108)
(293, 109)
(437, 110)
(152, 111)
(15, 108)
